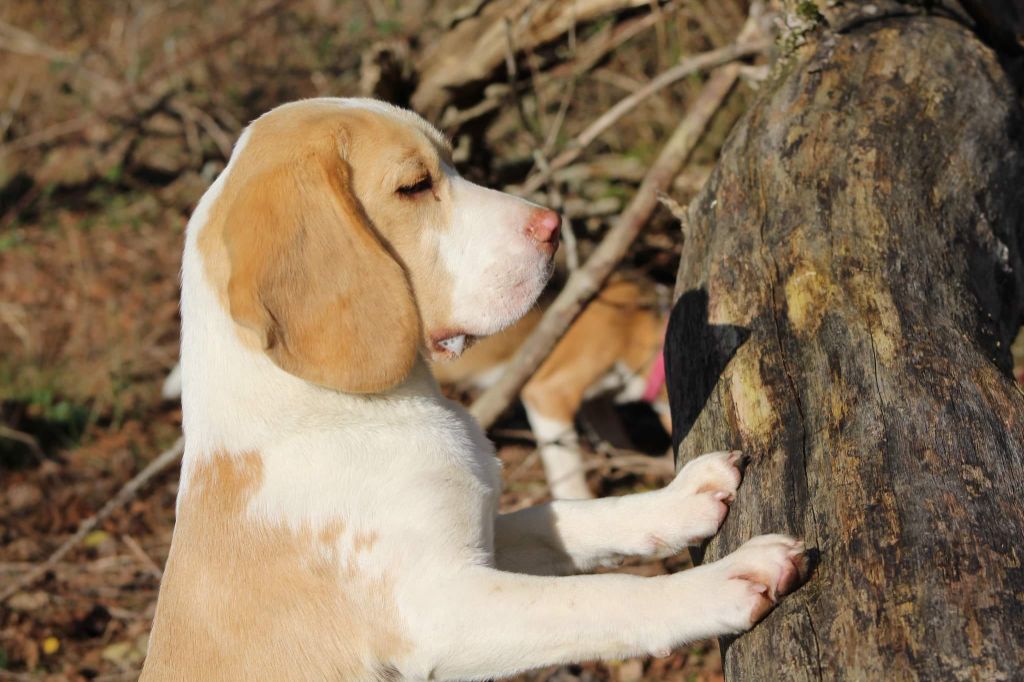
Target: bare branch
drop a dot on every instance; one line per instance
(25, 439)
(473, 49)
(686, 67)
(587, 280)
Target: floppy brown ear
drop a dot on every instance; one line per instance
(309, 274)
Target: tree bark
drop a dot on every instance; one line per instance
(850, 285)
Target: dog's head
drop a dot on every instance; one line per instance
(352, 243)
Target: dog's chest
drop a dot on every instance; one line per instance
(418, 481)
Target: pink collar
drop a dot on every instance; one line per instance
(656, 378)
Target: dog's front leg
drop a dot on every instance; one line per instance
(571, 536)
(480, 623)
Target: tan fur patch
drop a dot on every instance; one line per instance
(245, 600)
(616, 327)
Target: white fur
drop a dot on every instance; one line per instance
(171, 389)
(559, 448)
(416, 470)
(494, 272)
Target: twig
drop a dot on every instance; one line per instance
(596, 48)
(618, 80)
(473, 49)
(117, 562)
(754, 74)
(554, 79)
(127, 492)
(209, 124)
(49, 133)
(708, 22)
(572, 249)
(556, 126)
(23, 438)
(123, 676)
(139, 553)
(512, 434)
(580, 207)
(14, 100)
(691, 180)
(624, 169)
(631, 461)
(528, 461)
(687, 67)
(513, 79)
(585, 282)
(14, 316)
(673, 206)
(191, 129)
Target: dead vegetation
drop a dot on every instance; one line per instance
(114, 117)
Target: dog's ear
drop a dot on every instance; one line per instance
(309, 274)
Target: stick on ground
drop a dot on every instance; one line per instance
(126, 493)
(588, 279)
(25, 439)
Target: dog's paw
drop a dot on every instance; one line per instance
(702, 493)
(713, 472)
(754, 577)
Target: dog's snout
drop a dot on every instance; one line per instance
(544, 227)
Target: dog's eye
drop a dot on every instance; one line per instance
(422, 185)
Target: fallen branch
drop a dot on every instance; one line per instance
(559, 78)
(140, 554)
(687, 67)
(126, 493)
(588, 279)
(630, 461)
(474, 48)
(25, 439)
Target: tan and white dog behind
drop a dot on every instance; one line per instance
(337, 517)
(611, 349)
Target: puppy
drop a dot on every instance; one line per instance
(337, 517)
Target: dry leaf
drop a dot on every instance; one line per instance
(28, 601)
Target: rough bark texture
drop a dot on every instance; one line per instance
(851, 282)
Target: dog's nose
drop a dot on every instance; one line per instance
(543, 228)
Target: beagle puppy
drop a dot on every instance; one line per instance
(336, 516)
(613, 347)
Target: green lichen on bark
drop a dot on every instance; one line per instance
(799, 19)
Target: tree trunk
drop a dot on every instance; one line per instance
(851, 283)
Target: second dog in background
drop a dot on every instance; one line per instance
(614, 348)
